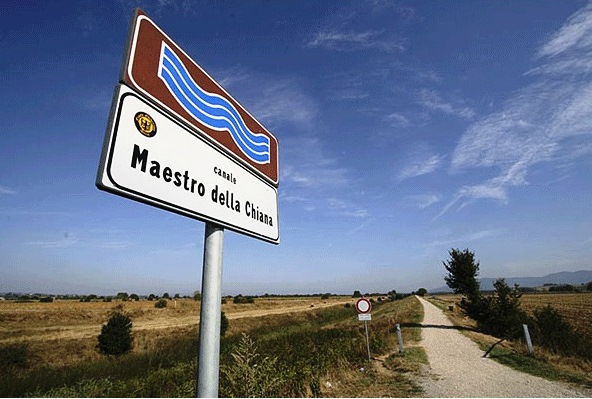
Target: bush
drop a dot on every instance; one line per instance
(501, 314)
(14, 356)
(161, 303)
(46, 299)
(553, 332)
(243, 299)
(250, 375)
(116, 336)
(223, 324)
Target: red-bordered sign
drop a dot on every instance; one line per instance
(158, 68)
(363, 305)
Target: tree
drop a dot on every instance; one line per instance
(116, 336)
(122, 295)
(166, 295)
(422, 292)
(134, 297)
(589, 286)
(197, 295)
(501, 315)
(462, 271)
(357, 294)
(151, 297)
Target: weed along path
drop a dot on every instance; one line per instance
(457, 367)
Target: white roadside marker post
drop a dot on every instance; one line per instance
(400, 338)
(528, 341)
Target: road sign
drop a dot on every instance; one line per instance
(364, 317)
(148, 156)
(159, 69)
(363, 305)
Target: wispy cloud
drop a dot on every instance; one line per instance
(355, 41)
(67, 240)
(423, 201)
(7, 190)
(421, 167)
(271, 100)
(479, 235)
(538, 123)
(345, 208)
(433, 101)
(573, 35)
(396, 119)
(307, 165)
(346, 29)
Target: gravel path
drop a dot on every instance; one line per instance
(459, 370)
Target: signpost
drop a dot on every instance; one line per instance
(364, 306)
(178, 141)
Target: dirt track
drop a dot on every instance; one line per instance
(458, 369)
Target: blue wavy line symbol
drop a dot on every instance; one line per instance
(213, 110)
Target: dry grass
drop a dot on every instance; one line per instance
(576, 308)
(65, 332)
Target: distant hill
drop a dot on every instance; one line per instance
(573, 278)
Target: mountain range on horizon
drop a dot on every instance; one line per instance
(573, 278)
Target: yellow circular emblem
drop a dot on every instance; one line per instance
(145, 124)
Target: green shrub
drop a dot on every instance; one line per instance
(553, 332)
(223, 324)
(250, 375)
(161, 303)
(243, 299)
(47, 299)
(116, 336)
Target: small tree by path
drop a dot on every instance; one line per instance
(116, 336)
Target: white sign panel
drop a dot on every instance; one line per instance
(364, 317)
(150, 157)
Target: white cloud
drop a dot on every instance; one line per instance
(355, 41)
(423, 201)
(421, 167)
(397, 119)
(545, 121)
(271, 100)
(67, 240)
(433, 101)
(573, 35)
(345, 208)
(7, 190)
(479, 235)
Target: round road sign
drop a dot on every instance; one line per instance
(363, 305)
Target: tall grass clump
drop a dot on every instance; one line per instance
(14, 356)
(554, 333)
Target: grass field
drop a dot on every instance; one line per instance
(576, 308)
(310, 346)
(64, 332)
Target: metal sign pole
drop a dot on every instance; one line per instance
(367, 340)
(210, 314)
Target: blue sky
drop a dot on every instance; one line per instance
(405, 129)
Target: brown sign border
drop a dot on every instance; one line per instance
(140, 71)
